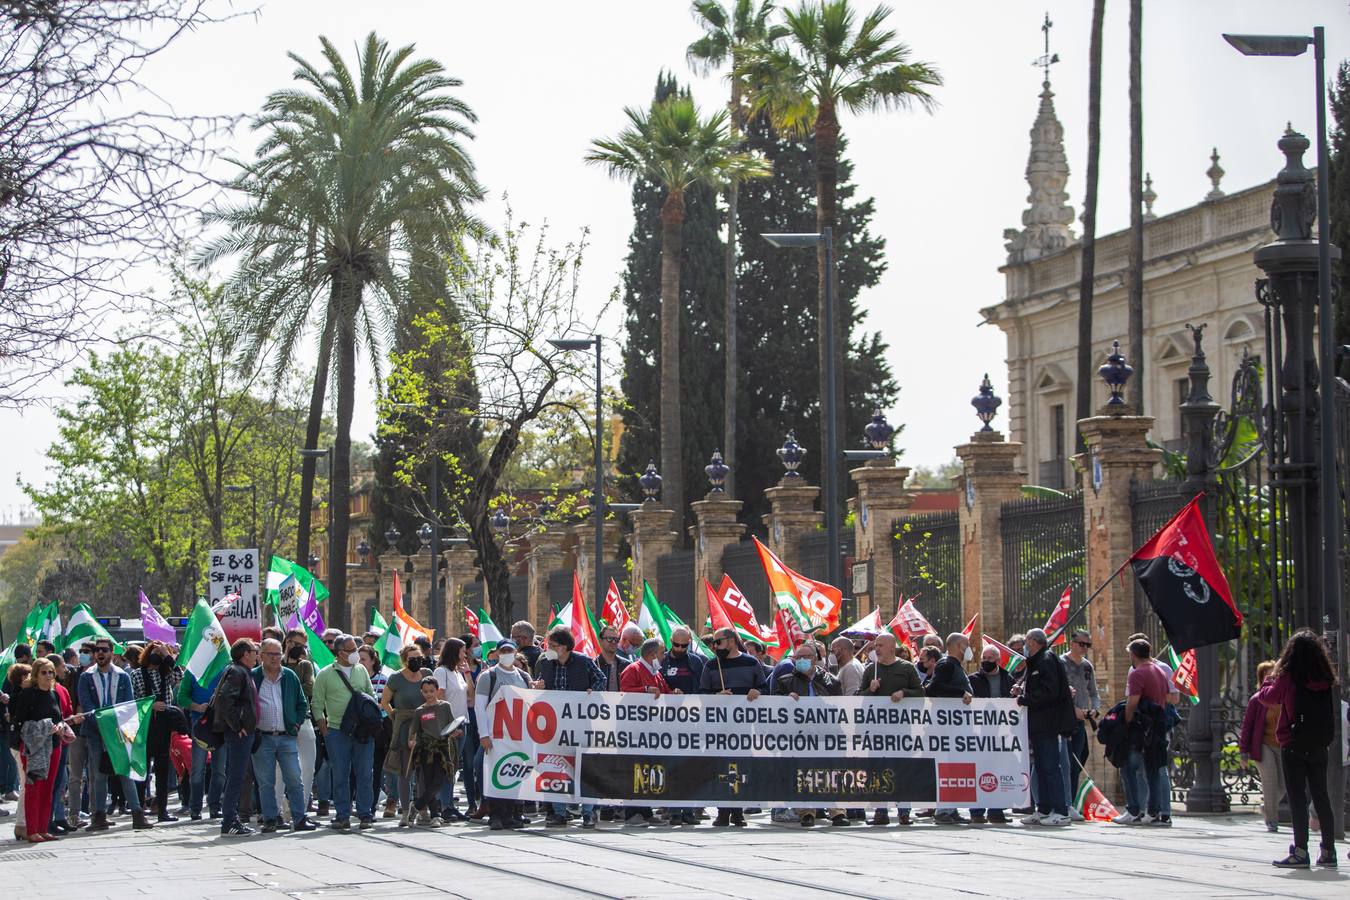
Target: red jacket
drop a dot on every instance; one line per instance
(637, 678)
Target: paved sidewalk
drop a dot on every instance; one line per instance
(1198, 857)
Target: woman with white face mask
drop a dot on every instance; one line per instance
(502, 814)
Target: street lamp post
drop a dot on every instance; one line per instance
(316, 454)
(1328, 499)
(598, 494)
(830, 473)
(253, 509)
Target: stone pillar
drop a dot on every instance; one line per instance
(585, 555)
(651, 539)
(714, 530)
(1116, 456)
(460, 570)
(989, 479)
(881, 500)
(363, 586)
(546, 556)
(792, 514)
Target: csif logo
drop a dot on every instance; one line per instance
(511, 770)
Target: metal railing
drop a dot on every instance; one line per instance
(1043, 553)
(926, 558)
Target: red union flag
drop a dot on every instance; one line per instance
(614, 614)
(1092, 804)
(1054, 626)
(909, 623)
(471, 618)
(742, 613)
(788, 632)
(969, 630)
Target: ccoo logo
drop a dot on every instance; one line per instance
(956, 782)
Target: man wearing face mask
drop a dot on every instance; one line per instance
(644, 677)
(732, 672)
(949, 680)
(522, 635)
(508, 672)
(895, 677)
(990, 682)
(562, 670)
(346, 755)
(296, 658)
(808, 679)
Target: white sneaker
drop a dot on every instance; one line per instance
(1147, 819)
(1076, 816)
(1033, 819)
(1055, 820)
(1126, 818)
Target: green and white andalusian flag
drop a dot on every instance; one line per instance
(658, 620)
(6, 661)
(489, 635)
(388, 645)
(124, 729)
(377, 622)
(280, 569)
(84, 627)
(205, 653)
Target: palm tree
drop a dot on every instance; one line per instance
(726, 37)
(1134, 301)
(1083, 402)
(676, 148)
(831, 61)
(356, 168)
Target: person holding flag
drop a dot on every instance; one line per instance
(1045, 693)
(561, 669)
(101, 686)
(1087, 704)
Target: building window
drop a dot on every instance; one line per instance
(1052, 470)
(1057, 420)
(1183, 390)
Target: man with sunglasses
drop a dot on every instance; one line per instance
(1087, 705)
(732, 672)
(681, 668)
(103, 685)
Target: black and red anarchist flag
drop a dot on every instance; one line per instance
(1185, 586)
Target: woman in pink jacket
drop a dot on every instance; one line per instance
(1258, 744)
(1303, 691)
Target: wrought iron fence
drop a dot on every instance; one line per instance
(926, 558)
(812, 555)
(559, 588)
(675, 585)
(1043, 553)
(1243, 786)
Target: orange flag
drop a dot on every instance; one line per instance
(588, 643)
(408, 627)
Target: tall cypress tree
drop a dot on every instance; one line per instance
(701, 330)
(777, 305)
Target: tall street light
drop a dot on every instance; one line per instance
(1328, 499)
(325, 453)
(253, 509)
(598, 495)
(830, 475)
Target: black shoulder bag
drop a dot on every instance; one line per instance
(363, 719)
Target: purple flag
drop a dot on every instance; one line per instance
(153, 624)
(311, 615)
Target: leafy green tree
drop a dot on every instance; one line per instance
(830, 61)
(675, 147)
(357, 168)
(512, 292)
(727, 34)
(778, 311)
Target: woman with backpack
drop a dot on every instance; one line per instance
(1303, 689)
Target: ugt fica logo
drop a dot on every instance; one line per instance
(956, 782)
(553, 773)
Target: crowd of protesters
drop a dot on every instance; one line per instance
(295, 744)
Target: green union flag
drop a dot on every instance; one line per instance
(124, 729)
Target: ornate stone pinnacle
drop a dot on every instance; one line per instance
(1215, 174)
(1149, 197)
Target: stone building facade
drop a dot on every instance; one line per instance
(1197, 268)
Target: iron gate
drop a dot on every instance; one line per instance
(1042, 555)
(926, 559)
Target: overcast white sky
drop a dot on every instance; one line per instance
(545, 78)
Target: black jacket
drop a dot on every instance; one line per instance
(235, 704)
(997, 685)
(949, 679)
(1045, 694)
(794, 682)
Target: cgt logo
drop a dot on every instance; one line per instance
(554, 773)
(511, 770)
(956, 782)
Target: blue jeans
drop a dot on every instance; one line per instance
(1078, 756)
(1049, 778)
(235, 754)
(560, 809)
(197, 780)
(278, 750)
(98, 782)
(1145, 789)
(1064, 768)
(59, 787)
(345, 757)
(468, 750)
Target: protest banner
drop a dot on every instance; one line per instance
(775, 751)
(236, 572)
